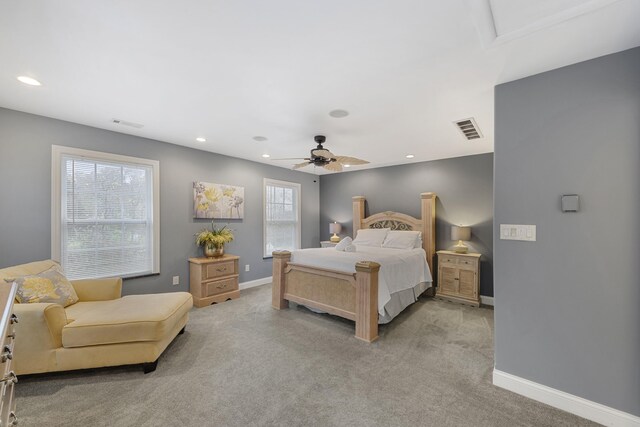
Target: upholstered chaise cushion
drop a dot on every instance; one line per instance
(132, 318)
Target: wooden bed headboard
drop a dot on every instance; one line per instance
(398, 221)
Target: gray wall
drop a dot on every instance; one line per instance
(464, 186)
(567, 311)
(25, 191)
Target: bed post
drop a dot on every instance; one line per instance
(280, 260)
(429, 227)
(358, 213)
(367, 300)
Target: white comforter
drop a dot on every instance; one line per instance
(400, 269)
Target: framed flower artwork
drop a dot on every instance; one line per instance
(217, 201)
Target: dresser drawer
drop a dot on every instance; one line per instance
(8, 404)
(219, 286)
(219, 269)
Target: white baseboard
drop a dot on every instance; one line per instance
(567, 402)
(254, 283)
(486, 300)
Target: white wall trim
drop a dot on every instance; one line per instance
(486, 300)
(254, 283)
(567, 402)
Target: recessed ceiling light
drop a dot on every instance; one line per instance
(29, 81)
(260, 138)
(338, 114)
(347, 166)
(266, 156)
(409, 156)
(201, 139)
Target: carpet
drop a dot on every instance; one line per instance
(242, 363)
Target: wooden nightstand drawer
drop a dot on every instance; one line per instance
(447, 259)
(468, 263)
(219, 269)
(220, 286)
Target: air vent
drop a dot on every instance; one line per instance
(126, 123)
(469, 128)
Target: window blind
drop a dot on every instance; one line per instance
(107, 218)
(281, 216)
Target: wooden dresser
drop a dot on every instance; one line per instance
(8, 382)
(459, 277)
(213, 279)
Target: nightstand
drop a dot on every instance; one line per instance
(459, 277)
(328, 244)
(213, 279)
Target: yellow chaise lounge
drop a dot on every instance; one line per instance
(101, 329)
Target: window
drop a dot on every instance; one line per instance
(281, 216)
(105, 219)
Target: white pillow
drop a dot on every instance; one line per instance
(342, 245)
(370, 237)
(401, 239)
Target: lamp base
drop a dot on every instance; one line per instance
(335, 238)
(461, 248)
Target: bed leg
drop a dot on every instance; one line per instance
(280, 260)
(367, 300)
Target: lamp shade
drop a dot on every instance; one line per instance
(334, 227)
(459, 232)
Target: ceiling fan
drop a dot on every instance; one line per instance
(322, 157)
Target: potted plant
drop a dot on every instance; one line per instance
(213, 240)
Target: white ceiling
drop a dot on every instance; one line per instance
(232, 70)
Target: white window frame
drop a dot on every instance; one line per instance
(57, 152)
(275, 182)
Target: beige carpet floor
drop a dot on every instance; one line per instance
(241, 363)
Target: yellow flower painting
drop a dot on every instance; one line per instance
(217, 201)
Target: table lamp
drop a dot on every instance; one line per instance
(460, 233)
(334, 228)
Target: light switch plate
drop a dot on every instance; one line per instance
(525, 233)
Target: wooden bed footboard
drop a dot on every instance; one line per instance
(352, 296)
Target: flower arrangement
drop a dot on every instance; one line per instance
(216, 237)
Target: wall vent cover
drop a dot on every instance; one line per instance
(126, 123)
(469, 128)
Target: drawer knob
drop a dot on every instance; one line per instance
(6, 354)
(13, 419)
(221, 268)
(13, 319)
(10, 377)
(222, 286)
(12, 335)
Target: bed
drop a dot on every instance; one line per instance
(347, 284)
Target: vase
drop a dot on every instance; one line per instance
(213, 251)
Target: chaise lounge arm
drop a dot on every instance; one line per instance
(98, 289)
(40, 324)
(40, 334)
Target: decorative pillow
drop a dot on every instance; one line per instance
(48, 286)
(342, 245)
(401, 239)
(371, 237)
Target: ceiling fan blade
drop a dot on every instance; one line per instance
(333, 166)
(346, 160)
(294, 158)
(301, 165)
(323, 153)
